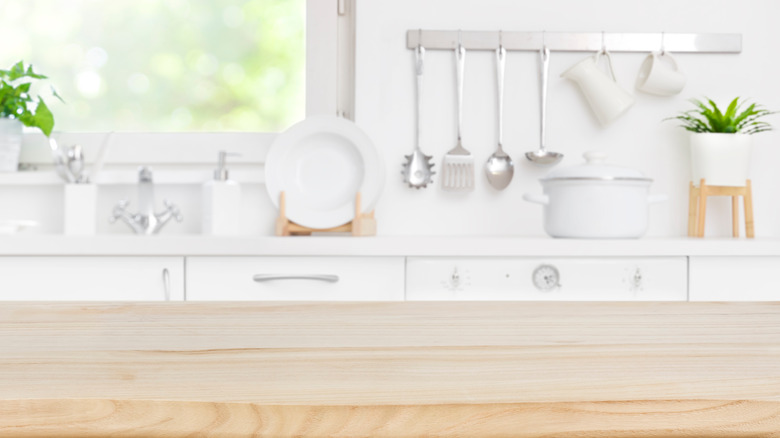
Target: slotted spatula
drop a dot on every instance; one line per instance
(457, 170)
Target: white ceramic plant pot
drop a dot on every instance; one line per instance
(10, 144)
(721, 159)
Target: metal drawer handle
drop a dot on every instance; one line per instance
(317, 277)
(166, 276)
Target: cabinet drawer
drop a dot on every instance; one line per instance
(295, 278)
(92, 278)
(735, 278)
(578, 279)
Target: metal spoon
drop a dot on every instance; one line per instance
(499, 167)
(60, 161)
(417, 168)
(543, 157)
(75, 162)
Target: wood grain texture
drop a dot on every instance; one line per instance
(317, 360)
(102, 418)
(390, 353)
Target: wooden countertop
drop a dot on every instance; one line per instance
(390, 369)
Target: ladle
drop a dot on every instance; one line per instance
(543, 157)
(499, 167)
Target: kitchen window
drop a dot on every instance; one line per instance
(154, 68)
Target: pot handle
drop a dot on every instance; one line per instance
(652, 199)
(537, 199)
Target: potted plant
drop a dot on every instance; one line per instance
(18, 107)
(721, 142)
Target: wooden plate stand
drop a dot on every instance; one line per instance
(697, 207)
(363, 224)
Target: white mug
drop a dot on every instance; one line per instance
(606, 97)
(659, 74)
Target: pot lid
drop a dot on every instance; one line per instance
(595, 169)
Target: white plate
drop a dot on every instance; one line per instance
(320, 164)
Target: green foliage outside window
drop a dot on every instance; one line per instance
(164, 65)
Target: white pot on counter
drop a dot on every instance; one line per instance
(595, 200)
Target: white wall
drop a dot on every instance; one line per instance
(385, 107)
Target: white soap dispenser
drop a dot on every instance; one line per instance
(222, 202)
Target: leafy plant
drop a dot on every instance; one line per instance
(707, 117)
(17, 103)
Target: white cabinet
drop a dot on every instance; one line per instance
(543, 279)
(295, 278)
(92, 278)
(735, 278)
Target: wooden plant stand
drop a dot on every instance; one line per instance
(697, 207)
(363, 224)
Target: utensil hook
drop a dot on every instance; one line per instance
(419, 53)
(500, 67)
(663, 43)
(604, 52)
(603, 44)
(460, 60)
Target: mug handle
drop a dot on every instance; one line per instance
(668, 56)
(609, 62)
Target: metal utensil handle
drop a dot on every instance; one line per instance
(545, 55)
(166, 277)
(500, 66)
(59, 161)
(419, 55)
(460, 58)
(259, 278)
(101, 158)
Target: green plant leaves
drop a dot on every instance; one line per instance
(43, 118)
(16, 102)
(707, 117)
(18, 71)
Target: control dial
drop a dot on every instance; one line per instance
(546, 278)
(459, 280)
(634, 280)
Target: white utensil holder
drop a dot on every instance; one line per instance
(80, 209)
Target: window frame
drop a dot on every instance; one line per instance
(330, 64)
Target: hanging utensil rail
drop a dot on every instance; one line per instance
(577, 41)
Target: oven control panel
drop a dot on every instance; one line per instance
(547, 279)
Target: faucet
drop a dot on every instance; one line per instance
(146, 221)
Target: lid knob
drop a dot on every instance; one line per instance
(595, 157)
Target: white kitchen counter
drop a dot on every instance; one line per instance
(38, 245)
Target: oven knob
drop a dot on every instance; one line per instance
(546, 278)
(635, 281)
(455, 280)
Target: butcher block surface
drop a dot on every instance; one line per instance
(523, 369)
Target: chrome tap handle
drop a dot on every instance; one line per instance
(175, 212)
(120, 209)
